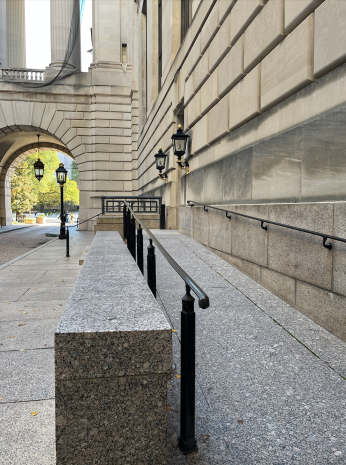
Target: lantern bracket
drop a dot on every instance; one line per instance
(163, 177)
(183, 166)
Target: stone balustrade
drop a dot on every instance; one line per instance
(22, 74)
(113, 352)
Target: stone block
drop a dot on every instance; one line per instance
(244, 99)
(194, 110)
(218, 120)
(289, 67)
(339, 249)
(185, 220)
(225, 7)
(209, 92)
(237, 177)
(249, 240)
(220, 45)
(200, 225)
(201, 72)
(200, 135)
(188, 93)
(210, 28)
(280, 284)
(220, 229)
(330, 37)
(297, 254)
(194, 55)
(264, 33)
(324, 307)
(112, 356)
(231, 68)
(252, 270)
(243, 13)
(298, 10)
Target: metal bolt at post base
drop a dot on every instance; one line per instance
(187, 440)
(140, 248)
(151, 265)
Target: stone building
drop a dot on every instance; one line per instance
(259, 86)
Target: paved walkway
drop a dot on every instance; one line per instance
(271, 384)
(33, 293)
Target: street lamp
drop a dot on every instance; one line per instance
(160, 159)
(38, 165)
(61, 176)
(179, 147)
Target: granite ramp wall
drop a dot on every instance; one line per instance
(113, 351)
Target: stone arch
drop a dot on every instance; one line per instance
(16, 143)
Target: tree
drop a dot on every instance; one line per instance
(27, 191)
(75, 173)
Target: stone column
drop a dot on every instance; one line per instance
(61, 12)
(3, 40)
(15, 33)
(107, 33)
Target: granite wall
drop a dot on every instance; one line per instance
(113, 351)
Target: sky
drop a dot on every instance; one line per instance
(37, 32)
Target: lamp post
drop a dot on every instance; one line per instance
(160, 159)
(38, 165)
(179, 140)
(61, 175)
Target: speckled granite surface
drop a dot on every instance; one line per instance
(113, 351)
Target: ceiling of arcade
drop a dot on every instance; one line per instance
(16, 142)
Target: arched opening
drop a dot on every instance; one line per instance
(17, 146)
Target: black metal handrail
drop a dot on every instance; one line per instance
(114, 203)
(187, 436)
(324, 236)
(203, 299)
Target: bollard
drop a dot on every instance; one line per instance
(140, 248)
(151, 267)
(163, 216)
(124, 222)
(187, 440)
(132, 239)
(67, 242)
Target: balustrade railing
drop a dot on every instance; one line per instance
(114, 204)
(22, 74)
(187, 439)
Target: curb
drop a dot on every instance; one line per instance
(27, 253)
(15, 229)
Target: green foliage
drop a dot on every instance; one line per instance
(74, 173)
(27, 191)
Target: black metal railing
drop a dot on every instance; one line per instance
(324, 236)
(114, 204)
(187, 439)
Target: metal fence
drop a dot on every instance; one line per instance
(114, 204)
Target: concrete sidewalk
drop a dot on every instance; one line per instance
(33, 293)
(271, 383)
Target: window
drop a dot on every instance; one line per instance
(185, 17)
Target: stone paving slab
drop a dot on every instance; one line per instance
(34, 310)
(27, 375)
(32, 334)
(271, 397)
(27, 439)
(45, 293)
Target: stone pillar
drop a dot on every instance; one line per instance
(107, 33)
(15, 33)
(61, 12)
(3, 40)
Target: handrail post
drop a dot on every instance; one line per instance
(132, 235)
(103, 205)
(128, 216)
(140, 248)
(163, 216)
(187, 440)
(151, 267)
(124, 221)
(67, 241)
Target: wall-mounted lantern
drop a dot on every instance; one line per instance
(179, 140)
(38, 165)
(160, 159)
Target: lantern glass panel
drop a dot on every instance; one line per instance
(179, 144)
(160, 163)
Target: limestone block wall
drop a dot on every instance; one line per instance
(246, 71)
(293, 265)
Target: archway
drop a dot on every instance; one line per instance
(17, 144)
